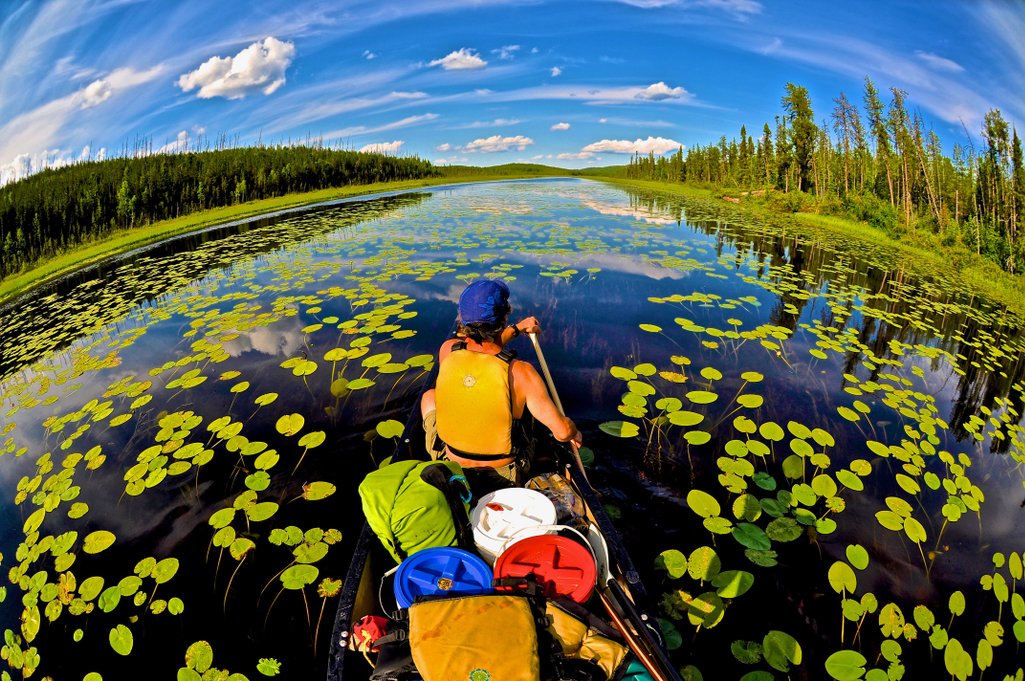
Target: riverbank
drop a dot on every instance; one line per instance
(957, 265)
(126, 240)
(963, 267)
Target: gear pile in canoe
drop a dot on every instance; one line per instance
(457, 575)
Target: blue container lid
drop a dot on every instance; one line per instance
(441, 571)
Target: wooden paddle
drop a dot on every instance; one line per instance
(555, 397)
(609, 596)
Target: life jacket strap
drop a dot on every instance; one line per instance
(505, 355)
(470, 456)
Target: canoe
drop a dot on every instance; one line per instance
(619, 598)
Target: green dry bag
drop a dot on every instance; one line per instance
(414, 505)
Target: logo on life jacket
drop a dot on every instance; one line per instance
(480, 675)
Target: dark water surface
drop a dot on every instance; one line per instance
(852, 431)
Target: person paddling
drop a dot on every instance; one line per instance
(482, 389)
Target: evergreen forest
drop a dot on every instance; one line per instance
(56, 210)
(877, 164)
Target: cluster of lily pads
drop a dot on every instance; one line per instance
(199, 417)
(890, 351)
(243, 380)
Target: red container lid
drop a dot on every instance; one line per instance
(565, 568)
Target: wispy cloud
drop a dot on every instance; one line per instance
(942, 92)
(938, 62)
(383, 147)
(636, 122)
(34, 133)
(560, 126)
(739, 8)
(506, 52)
(368, 55)
(463, 59)
(556, 72)
(656, 145)
(394, 125)
(496, 123)
(591, 94)
(259, 67)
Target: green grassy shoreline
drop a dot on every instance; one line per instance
(126, 240)
(957, 265)
(964, 268)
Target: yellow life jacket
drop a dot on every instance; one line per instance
(474, 403)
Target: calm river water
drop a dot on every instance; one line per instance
(182, 427)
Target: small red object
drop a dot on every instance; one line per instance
(366, 632)
(564, 568)
(495, 507)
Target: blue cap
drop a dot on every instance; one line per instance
(485, 300)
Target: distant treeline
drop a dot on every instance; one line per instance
(56, 210)
(879, 165)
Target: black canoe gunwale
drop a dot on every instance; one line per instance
(624, 589)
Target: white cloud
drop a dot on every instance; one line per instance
(556, 72)
(560, 126)
(659, 91)
(452, 160)
(603, 120)
(443, 147)
(383, 147)
(368, 55)
(578, 156)
(463, 59)
(497, 143)
(939, 63)
(179, 146)
(259, 67)
(23, 165)
(96, 93)
(656, 145)
(506, 52)
(397, 94)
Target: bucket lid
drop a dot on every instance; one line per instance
(504, 512)
(439, 571)
(562, 566)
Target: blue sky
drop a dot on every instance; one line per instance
(569, 83)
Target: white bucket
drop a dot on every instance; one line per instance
(505, 513)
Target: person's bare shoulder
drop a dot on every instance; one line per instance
(446, 348)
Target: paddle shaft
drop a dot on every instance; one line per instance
(555, 397)
(631, 640)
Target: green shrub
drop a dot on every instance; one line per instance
(876, 212)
